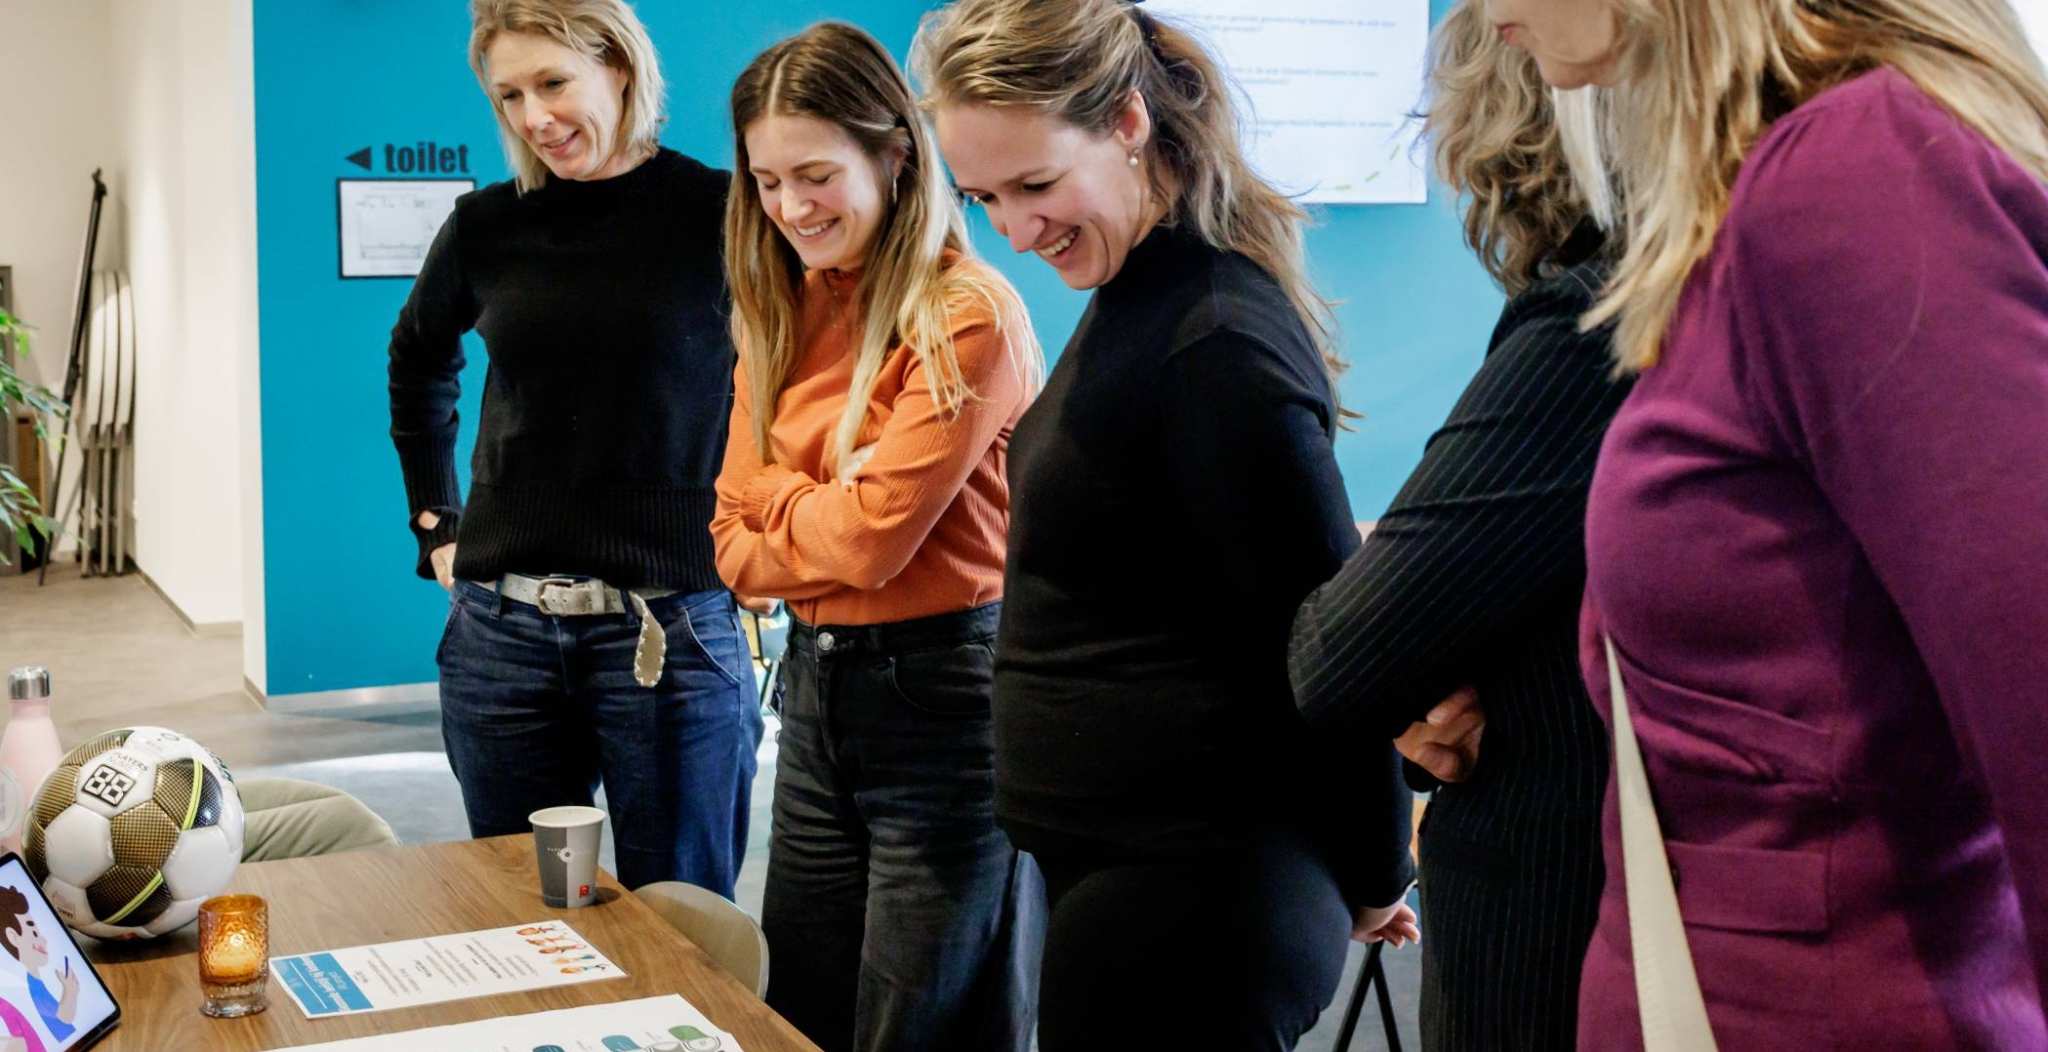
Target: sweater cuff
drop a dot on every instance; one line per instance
(761, 490)
(1418, 777)
(428, 464)
(444, 532)
(1362, 889)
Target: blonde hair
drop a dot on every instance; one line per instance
(1704, 80)
(605, 31)
(1513, 148)
(837, 73)
(1081, 60)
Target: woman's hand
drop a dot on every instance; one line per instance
(1446, 743)
(442, 559)
(1394, 925)
(855, 461)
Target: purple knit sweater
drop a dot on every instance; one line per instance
(1818, 537)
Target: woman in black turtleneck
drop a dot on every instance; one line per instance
(589, 638)
(1174, 496)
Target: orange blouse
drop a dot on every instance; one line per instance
(921, 530)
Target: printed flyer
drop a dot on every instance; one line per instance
(651, 1024)
(444, 968)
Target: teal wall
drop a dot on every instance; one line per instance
(333, 76)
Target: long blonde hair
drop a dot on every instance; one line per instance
(837, 73)
(605, 31)
(1080, 60)
(1702, 81)
(1505, 142)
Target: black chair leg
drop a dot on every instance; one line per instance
(1370, 975)
(1379, 978)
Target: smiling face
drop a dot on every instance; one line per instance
(564, 106)
(28, 944)
(826, 194)
(1069, 195)
(1574, 42)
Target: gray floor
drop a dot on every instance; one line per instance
(120, 656)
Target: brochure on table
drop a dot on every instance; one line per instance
(651, 1024)
(416, 972)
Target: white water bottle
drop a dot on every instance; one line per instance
(29, 750)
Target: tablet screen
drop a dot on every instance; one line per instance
(50, 998)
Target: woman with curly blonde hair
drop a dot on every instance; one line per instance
(1817, 532)
(1473, 575)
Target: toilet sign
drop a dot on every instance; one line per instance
(423, 157)
(384, 226)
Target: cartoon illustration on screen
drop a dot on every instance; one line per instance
(20, 1034)
(24, 940)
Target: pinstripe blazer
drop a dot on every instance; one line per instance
(1474, 576)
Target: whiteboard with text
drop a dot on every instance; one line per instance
(1332, 84)
(386, 225)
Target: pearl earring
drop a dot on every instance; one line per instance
(1134, 158)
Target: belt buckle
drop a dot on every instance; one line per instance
(575, 599)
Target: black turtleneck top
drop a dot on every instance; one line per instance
(1174, 497)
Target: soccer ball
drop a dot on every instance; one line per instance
(132, 831)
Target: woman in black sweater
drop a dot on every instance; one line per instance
(1175, 497)
(589, 637)
(1473, 577)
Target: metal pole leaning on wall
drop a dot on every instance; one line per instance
(73, 366)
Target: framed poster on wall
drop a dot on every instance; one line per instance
(1331, 85)
(384, 226)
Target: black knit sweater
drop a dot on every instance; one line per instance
(1174, 496)
(602, 308)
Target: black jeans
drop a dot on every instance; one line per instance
(1239, 949)
(899, 918)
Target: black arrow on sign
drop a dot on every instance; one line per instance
(360, 157)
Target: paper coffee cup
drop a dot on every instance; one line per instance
(565, 847)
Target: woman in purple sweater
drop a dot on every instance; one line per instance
(1818, 533)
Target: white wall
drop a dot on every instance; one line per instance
(183, 187)
(54, 103)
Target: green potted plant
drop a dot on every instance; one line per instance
(20, 513)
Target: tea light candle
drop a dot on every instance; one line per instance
(234, 939)
(236, 956)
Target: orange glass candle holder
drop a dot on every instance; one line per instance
(234, 955)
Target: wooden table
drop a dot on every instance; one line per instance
(386, 894)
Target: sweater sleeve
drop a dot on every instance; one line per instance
(425, 374)
(1901, 355)
(744, 561)
(1489, 528)
(779, 527)
(1251, 467)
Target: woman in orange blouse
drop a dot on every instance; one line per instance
(881, 368)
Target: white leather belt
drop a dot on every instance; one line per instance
(570, 597)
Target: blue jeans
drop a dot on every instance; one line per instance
(899, 917)
(536, 710)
